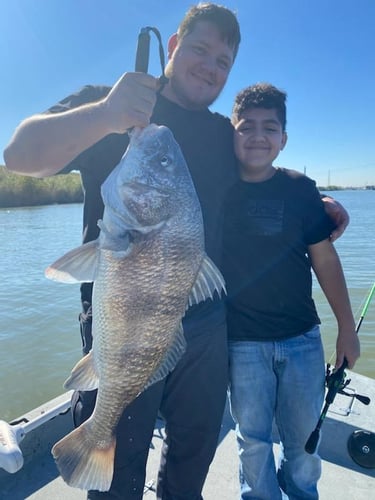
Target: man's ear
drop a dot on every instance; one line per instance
(172, 43)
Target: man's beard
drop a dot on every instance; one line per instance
(178, 91)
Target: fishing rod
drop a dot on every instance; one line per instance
(336, 383)
(142, 56)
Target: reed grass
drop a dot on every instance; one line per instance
(22, 191)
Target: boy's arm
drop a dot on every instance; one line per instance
(43, 144)
(328, 270)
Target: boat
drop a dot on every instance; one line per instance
(347, 448)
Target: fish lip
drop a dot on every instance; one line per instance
(137, 187)
(134, 133)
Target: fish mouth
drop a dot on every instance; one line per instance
(140, 189)
(134, 133)
(137, 133)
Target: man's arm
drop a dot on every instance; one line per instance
(43, 144)
(328, 270)
(338, 214)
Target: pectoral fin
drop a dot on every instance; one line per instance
(171, 358)
(84, 375)
(77, 266)
(208, 281)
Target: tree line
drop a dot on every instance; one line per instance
(22, 191)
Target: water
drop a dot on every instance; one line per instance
(356, 249)
(39, 335)
(39, 332)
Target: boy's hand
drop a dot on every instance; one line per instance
(338, 214)
(347, 346)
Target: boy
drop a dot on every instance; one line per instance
(275, 230)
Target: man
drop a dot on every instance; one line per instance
(92, 138)
(87, 131)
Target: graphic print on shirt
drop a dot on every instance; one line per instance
(264, 217)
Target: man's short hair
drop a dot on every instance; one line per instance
(223, 18)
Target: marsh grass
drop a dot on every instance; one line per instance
(22, 191)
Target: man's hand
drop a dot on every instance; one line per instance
(338, 214)
(43, 144)
(130, 102)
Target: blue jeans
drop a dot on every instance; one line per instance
(284, 381)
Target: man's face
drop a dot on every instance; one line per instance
(199, 67)
(258, 139)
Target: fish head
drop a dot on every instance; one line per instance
(149, 184)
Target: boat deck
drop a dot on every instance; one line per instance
(341, 479)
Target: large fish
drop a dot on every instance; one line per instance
(148, 265)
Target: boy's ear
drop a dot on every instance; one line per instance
(284, 140)
(172, 43)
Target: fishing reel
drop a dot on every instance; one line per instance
(336, 382)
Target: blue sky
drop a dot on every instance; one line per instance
(320, 51)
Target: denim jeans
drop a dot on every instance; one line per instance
(281, 381)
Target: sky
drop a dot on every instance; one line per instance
(321, 52)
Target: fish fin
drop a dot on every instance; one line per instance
(77, 266)
(208, 280)
(81, 463)
(84, 375)
(171, 358)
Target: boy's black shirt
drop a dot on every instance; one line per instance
(267, 229)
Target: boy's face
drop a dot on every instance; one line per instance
(258, 139)
(198, 68)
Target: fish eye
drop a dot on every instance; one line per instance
(165, 161)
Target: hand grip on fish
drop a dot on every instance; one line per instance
(148, 265)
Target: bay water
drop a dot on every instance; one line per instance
(39, 330)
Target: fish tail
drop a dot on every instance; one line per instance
(83, 463)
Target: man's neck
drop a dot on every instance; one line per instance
(171, 96)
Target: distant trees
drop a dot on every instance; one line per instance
(21, 191)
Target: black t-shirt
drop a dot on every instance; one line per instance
(206, 140)
(267, 229)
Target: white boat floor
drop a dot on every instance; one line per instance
(342, 478)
